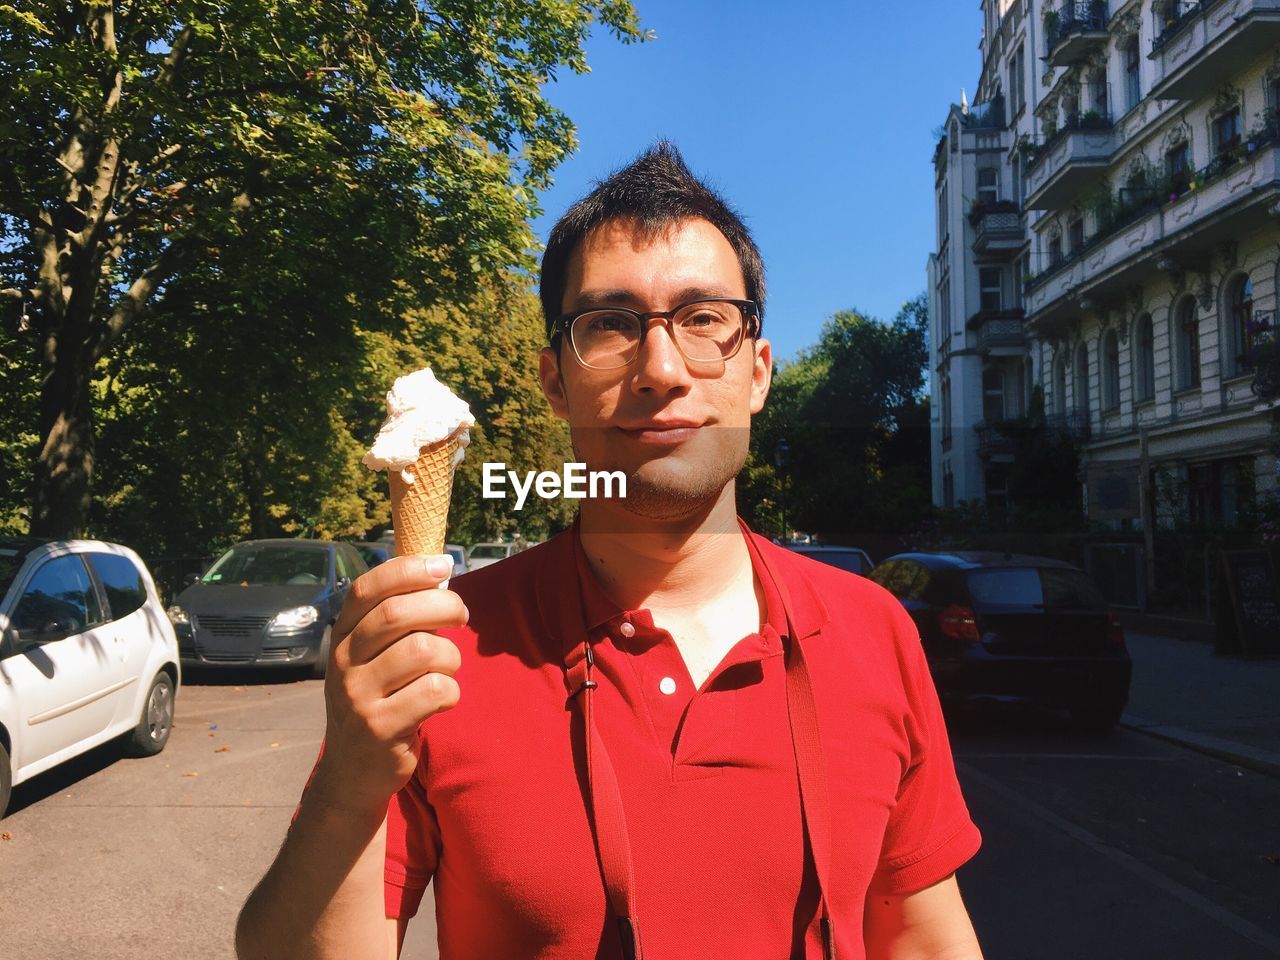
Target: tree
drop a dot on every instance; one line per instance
(852, 411)
(140, 140)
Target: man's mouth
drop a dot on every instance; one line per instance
(662, 432)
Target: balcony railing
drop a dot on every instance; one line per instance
(1088, 121)
(997, 226)
(1173, 17)
(1073, 29)
(999, 329)
(1200, 46)
(1131, 204)
(992, 439)
(987, 115)
(1068, 426)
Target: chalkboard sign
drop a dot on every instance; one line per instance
(1254, 600)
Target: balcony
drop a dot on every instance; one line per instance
(999, 332)
(1201, 46)
(998, 228)
(992, 440)
(1072, 426)
(1075, 30)
(1069, 160)
(987, 115)
(1166, 228)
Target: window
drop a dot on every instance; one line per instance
(988, 186)
(60, 601)
(1100, 96)
(944, 304)
(943, 228)
(990, 286)
(948, 487)
(1015, 171)
(1055, 249)
(1240, 319)
(1017, 83)
(1110, 371)
(1188, 321)
(992, 395)
(1177, 165)
(1132, 74)
(121, 582)
(1017, 587)
(996, 481)
(1080, 388)
(1020, 269)
(1145, 374)
(946, 408)
(1077, 234)
(1226, 132)
(1060, 386)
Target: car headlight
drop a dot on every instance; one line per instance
(177, 616)
(294, 619)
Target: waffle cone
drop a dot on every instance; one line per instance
(420, 510)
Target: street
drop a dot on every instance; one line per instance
(1118, 847)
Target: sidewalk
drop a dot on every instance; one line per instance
(1226, 707)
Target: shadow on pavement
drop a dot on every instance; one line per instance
(242, 677)
(65, 775)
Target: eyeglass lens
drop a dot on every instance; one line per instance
(703, 331)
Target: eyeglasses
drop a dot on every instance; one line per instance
(710, 330)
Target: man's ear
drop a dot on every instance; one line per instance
(552, 382)
(761, 374)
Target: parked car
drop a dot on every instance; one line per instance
(459, 554)
(852, 559)
(266, 603)
(1006, 627)
(86, 655)
(374, 553)
(483, 554)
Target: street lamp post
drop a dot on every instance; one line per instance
(782, 460)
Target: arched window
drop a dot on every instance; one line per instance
(1060, 386)
(1110, 370)
(1144, 373)
(1239, 321)
(1187, 335)
(1080, 388)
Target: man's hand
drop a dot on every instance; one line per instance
(387, 673)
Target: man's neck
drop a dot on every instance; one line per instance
(671, 565)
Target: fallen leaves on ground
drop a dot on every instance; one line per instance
(222, 750)
(6, 835)
(191, 773)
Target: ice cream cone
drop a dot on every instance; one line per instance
(420, 510)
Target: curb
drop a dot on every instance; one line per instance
(1251, 758)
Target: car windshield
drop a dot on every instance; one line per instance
(488, 551)
(1044, 588)
(12, 555)
(254, 564)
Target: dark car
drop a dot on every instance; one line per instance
(373, 553)
(1006, 627)
(266, 603)
(846, 558)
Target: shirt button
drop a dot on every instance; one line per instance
(667, 685)
(627, 630)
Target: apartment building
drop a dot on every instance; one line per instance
(1109, 231)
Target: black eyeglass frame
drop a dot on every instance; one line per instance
(749, 309)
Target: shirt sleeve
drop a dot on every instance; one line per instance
(413, 847)
(930, 833)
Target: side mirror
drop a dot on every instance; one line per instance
(189, 579)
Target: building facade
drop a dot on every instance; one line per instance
(1108, 231)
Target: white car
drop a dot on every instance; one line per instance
(87, 654)
(483, 554)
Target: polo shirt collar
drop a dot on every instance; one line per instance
(572, 604)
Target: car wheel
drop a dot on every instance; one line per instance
(6, 780)
(322, 658)
(1096, 716)
(156, 723)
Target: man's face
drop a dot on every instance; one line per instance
(678, 430)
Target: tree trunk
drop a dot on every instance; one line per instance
(63, 470)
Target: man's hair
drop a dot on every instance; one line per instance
(656, 190)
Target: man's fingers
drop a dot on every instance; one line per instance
(399, 575)
(408, 659)
(399, 615)
(430, 694)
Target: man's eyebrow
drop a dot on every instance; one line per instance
(622, 297)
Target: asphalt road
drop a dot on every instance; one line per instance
(1120, 847)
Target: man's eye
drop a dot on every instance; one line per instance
(609, 322)
(704, 318)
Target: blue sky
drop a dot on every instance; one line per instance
(815, 119)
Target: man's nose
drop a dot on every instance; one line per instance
(660, 365)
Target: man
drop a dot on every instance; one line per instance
(677, 740)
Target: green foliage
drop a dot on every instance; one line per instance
(851, 409)
(185, 159)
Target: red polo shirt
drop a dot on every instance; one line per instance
(497, 815)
